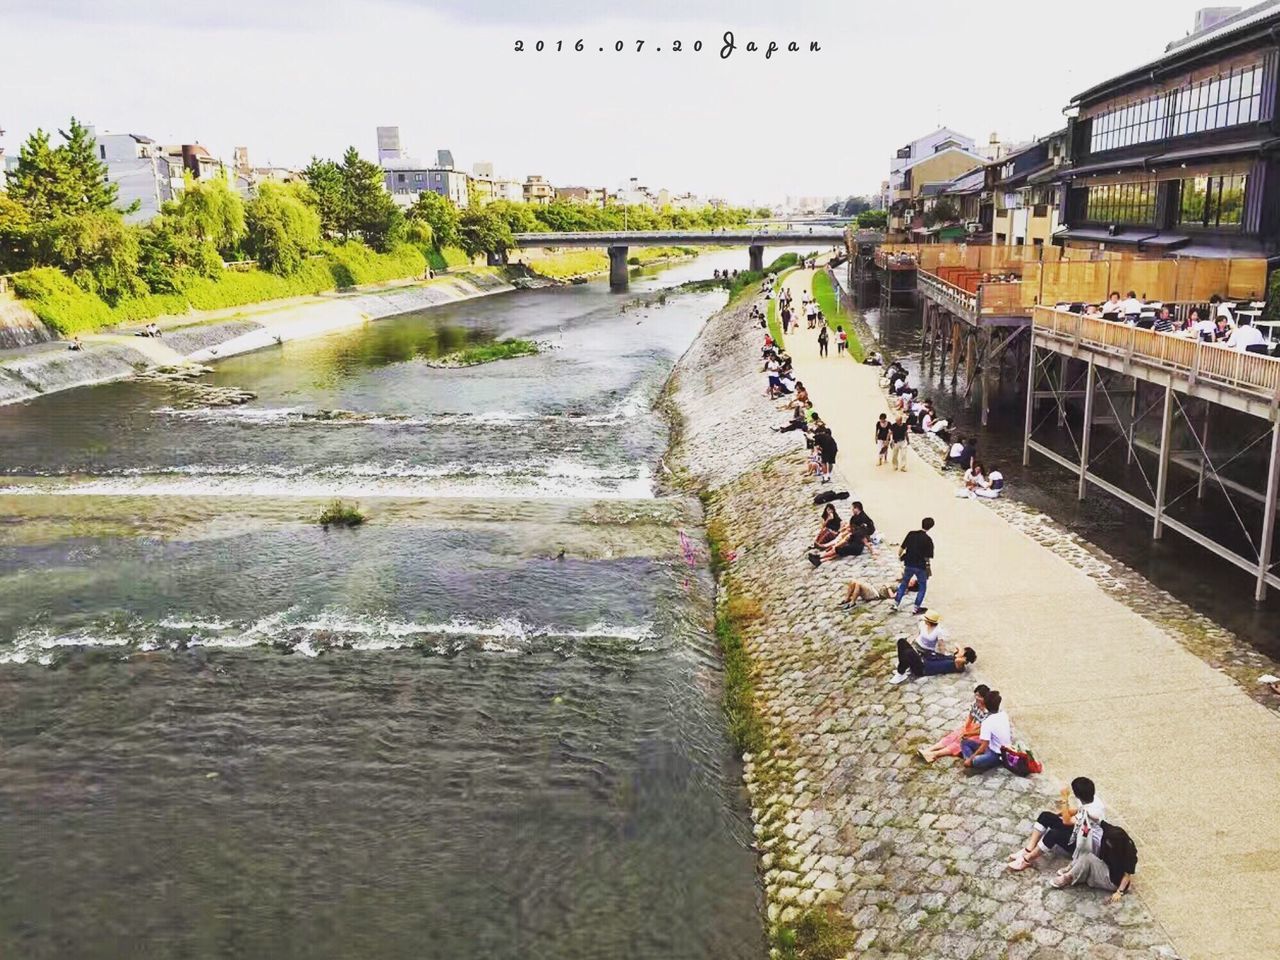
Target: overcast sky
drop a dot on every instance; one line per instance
(293, 78)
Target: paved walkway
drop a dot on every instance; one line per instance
(1190, 764)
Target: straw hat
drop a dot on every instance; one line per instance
(933, 618)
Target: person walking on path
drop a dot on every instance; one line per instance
(882, 440)
(899, 431)
(827, 449)
(823, 339)
(916, 554)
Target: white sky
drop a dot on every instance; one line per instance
(292, 78)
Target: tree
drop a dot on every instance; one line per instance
(64, 181)
(873, 219)
(518, 216)
(95, 191)
(282, 228)
(369, 212)
(325, 180)
(168, 251)
(15, 235)
(834, 208)
(480, 230)
(210, 211)
(763, 213)
(944, 211)
(439, 214)
(98, 251)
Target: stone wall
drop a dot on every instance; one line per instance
(905, 859)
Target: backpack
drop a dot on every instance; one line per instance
(827, 496)
(1020, 762)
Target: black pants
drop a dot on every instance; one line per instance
(822, 348)
(1055, 832)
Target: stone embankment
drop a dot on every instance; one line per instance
(47, 367)
(904, 859)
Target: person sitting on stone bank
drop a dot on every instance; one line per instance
(852, 541)
(949, 746)
(996, 733)
(1062, 832)
(829, 528)
(863, 591)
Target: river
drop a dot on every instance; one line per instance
(1207, 584)
(485, 724)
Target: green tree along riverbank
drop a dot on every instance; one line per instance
(82, 267)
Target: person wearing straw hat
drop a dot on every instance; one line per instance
(932, 640)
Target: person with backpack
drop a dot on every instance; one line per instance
(826, 444)
(1111, 868)
(1063, 831)
(823, 340)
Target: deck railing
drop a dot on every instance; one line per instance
(1253, 373)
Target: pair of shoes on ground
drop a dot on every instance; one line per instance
(898, 678)
(815, 559)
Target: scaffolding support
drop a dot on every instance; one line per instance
(1162, 475)
(1031, 402)
(1269, 515)
(1087, 429)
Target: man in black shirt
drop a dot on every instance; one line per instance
(882, 440)
(859, 520)
(826, 444)
(898, 431)
(916, 552)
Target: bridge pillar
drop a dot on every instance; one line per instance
(756, 254)
(618, 268)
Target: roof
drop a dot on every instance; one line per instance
(1256, 16)
(1205, 152)
(942, 153)
(971, 182)
(409, 163)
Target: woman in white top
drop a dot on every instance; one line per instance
(975, 479)
(1065, 830)
(996, 732)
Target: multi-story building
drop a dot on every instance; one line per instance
(1025, 193)
(406, 178)
(486, 187)
(140, 171)
(947, 159)
(537, 190)
(1182, 155)
(389, 145)
(595, 196)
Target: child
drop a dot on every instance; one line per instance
(842, 341)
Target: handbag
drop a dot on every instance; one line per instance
(1020, 762)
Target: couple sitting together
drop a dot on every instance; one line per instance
(930, 655)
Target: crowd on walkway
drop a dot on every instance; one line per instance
(1098, 853)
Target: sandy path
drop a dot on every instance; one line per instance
(1183, 757)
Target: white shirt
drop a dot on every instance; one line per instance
(1207, 327)
(996, 731)
(930, 637)
(997, 480)
(1110, 309)
(1089, 817)
(1130, 305)
(1246, 336)
(957, 449)
(1225, 311)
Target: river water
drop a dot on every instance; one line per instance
(1210, 585)
(485, 724)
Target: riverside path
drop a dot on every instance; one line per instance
(1184, 757)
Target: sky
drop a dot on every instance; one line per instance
(291, 79)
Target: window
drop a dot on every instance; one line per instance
(417, 178)
(399, 178)
(1223, 101)
(1212, 201)
(102, 152)
(1122, 203)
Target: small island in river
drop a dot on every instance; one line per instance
(487, 353)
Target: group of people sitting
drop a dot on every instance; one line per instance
(150, 330)
(838, 538)
(777, 365)
(723, 274)
(1220, 325)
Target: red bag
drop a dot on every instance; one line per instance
(1019, 762)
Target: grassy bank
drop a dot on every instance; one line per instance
(645, 255)
(66, 308)
(828, 302)
(487, 353)
(570, 263)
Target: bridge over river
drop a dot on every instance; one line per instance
(618, 242)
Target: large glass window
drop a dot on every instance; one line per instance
(1212, 201)
(1122, 203)
(1225, 101)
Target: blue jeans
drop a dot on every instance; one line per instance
(922, 581)
(984, 761)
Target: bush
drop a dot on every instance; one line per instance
(570, 263)
(340, 514)
(352, 264)
(784, 262)
(59, 303)
(454, 257)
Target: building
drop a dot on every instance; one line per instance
(140, 171)
(388, 145)
(965, 196)
(486, 187)
(248, 177)
(1025, 192)
(406, 178)
(947, 162)
(537, 190)
(595, 196)
(1182, 155)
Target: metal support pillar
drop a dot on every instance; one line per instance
(944, 332)
(1269, 515)
(1063, 361)
(1133, 419)
(1031, 401)
(1087, 429)
(1162, 475)
(755, 257)
(1204, 453)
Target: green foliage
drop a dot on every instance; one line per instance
(518, 216)
(944, 211)
(483, 231)
(352, 202)
(820, 933)
(873, 219)
(51, 183)
(324, 179)
(763, 213)
(1273, 296)
(98, 251)
(61, 304)
(353, 264)
(488, 352)
(15, 235)
(567, 215)
(746, 726)
(570, 263)
(169, 252)
(340, 514)
(785, 262)
(282, 228)
(210, 211)
(439, 214)
(454, 257)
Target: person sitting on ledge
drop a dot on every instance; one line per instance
(983, 752)
(912, 663)
(932, 639)
(799, 421)
(994, 487)
(949, 746)
(873, 359)
(863, 591)
(1063, 831)
(75, 344)
(830, 528)
(975, 479)
(852, 541)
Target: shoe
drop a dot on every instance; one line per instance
(1061, 881)
(846, 605)
(917, 611)
(898, 678)
(1018, 864)
(815, 559)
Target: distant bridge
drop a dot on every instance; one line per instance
(619, 241)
